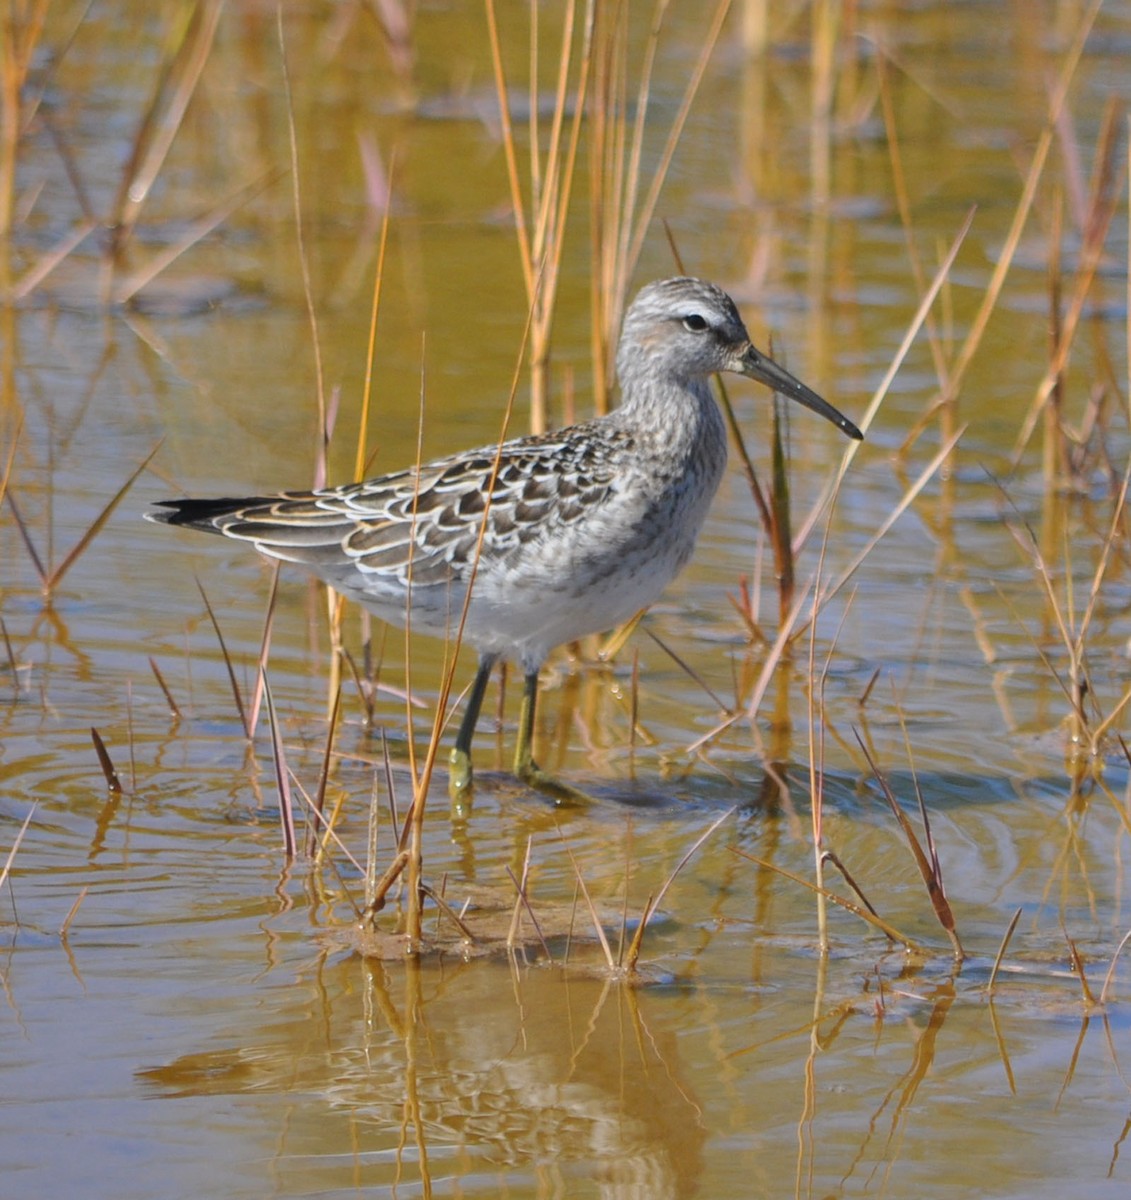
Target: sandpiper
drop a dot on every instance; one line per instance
(557, 536)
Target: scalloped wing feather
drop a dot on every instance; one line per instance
(427, 520)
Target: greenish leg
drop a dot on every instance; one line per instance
(524, 765)
(459, 761)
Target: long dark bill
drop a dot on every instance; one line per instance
(756, 365)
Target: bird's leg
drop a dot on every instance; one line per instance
(524, 765)
(459, 761)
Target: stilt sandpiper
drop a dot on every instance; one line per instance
(557, 536)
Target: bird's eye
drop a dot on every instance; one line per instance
(694, 323)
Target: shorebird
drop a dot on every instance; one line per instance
(557, 536)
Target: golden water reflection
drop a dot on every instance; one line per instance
(199, 1028)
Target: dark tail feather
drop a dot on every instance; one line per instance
(200, 514)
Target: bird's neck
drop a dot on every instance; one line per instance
(679, 420)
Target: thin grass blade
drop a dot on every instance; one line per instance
(25, 537)
(173, 709)
(654, 903)
(227, 662)
(16, 844)
(282, 780)
(1006, 939)
(104, 761)
(857, 910)
(95, 528)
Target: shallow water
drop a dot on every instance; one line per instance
(206, 1026)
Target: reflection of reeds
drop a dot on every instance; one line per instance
(51, 573)
(541, 233)
(1087, 725)
(23, 28)
(591, 93)
(1095, 219)
(187, 50)
(622, 197)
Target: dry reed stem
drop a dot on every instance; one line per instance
(540, 247)
(131, 745)
(831, 857)
(195, 232)
(916, 323)
(772, 660)
(1077, 964)
(926, 860)
(16, 844)
(606, 153)
(372, 828)
(615, 641)
(319, 802)
(10, 463)
(449, 912)
(903, 204)
(1072, 632)
(781, 539)
(1007, 937)
(187, 53)
(70, 164)
(50, 259)
(1110, 976)
(10, 654)
(746, 607)
(300, 239)
(862, 700)
(72, 912)
(653, 903)
(113, 783)
(787, 630)
(739, 442)
(615, 175)
(1054, 453)
(364, 693)
(327, 412)
(644, 218)
(415, 817)
(392, 873)
(1021, 215)
(22, 24)
(520, 887)
(522, 901)
(906, 500)
(419, 459)
(336, 603)
(227, 662)
(264, 650)
(689, 671)
(1104, 200)
(371, 346)
(879, 923)
(815, 699)
(96, 525)
(517, 204)
(929, 862)
(174, 710)
(51, 577)
(282, 780)
(610, 960)
(329, 834)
